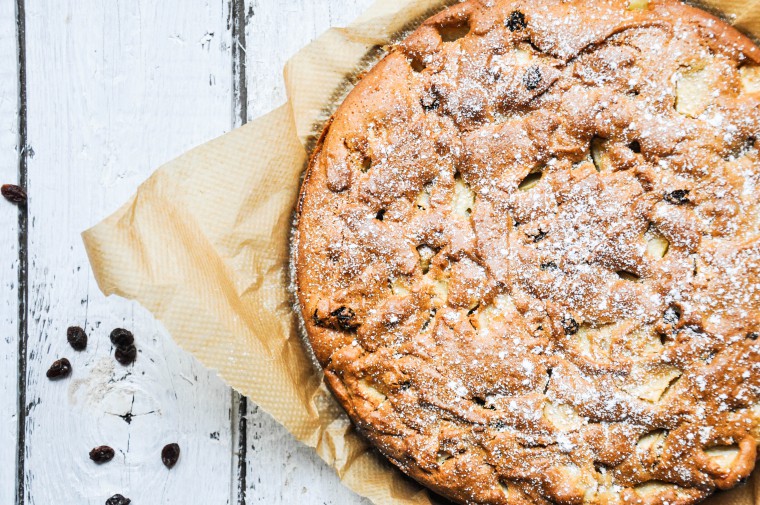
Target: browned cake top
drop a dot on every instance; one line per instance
(528, 253)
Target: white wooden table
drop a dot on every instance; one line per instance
(94, 95)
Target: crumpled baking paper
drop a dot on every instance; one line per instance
(204, 245)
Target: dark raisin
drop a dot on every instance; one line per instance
(549, 373)
(570, 325)
(14, 194)
(549, 265)
(635, 146)
(126, 356)
(102, 454)
(493, 74)
(677, 197)
(118, 499)
(532, 77)
(318, 321)
(59, 369)
(345, 317)
(430, 102)
(516, 21)
(431, 317)
(170, 455)
(538, 238)
(753, 335)
(122, 338)
(672, 315)
(77, 338)
(498, 424)
(380, 215)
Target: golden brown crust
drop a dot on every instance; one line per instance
(528, 253)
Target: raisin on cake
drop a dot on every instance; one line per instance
(528, 253)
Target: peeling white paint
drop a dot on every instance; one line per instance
(111, 96)
(114, 90)
(8, 254)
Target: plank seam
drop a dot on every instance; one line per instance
(239, 118)
(242, 446)
(239, 84)
(23, 256)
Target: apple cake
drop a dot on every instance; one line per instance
(527, 253)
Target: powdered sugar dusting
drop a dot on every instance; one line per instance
(529, 254)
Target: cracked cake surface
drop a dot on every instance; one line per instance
(528, 253)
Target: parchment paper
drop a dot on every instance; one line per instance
(204, 245)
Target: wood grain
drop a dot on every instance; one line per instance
(114, 90)
(8, 253)
(280, 469)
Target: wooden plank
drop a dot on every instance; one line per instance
(115, 89)
(8, 253)
(278, 468)
(282, 470)
(276, 31)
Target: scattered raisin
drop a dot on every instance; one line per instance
(14, 194)
(570, 325)
(549, 265)
(118, 499)
(677, 197)
(170, 455)
(122, 338)
(126, 355)
(753, 335)
(102, 454)
(126, 352)
(516, 21)
(532, 77)
(345, 317)
(59, 369)
(77, 338)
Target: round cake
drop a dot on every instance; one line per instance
(528, 253)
